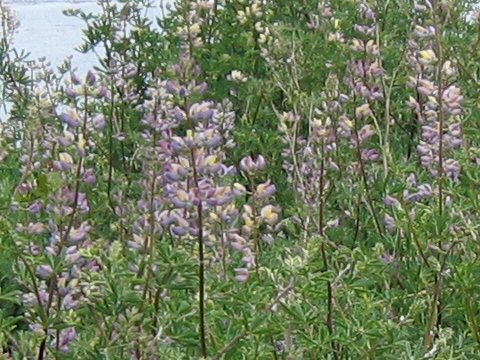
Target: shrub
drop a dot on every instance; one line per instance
(245, 179)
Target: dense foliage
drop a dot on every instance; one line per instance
(245, 179)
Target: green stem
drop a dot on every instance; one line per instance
(201, 256)
(201, 260)
(365, 180)
(324, 253)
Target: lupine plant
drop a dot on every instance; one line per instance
(245, 179)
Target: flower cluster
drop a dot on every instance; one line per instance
(194, 15)
(437, 102)
(146, 219)
(366, 70)
(53, 199)
(251, 12)
(323, 20)
(310, 162)
(260, 218)
(188, 190)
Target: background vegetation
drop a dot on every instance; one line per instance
(245, 179)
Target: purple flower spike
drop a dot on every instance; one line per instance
(249, 165)
(369, 155)
(265, 190)
(182, 92)
(365, 133)
(98, 122)
(90, 79)
(35, 208)
(35, 228)
(89, 177)
(44, 272)
(201, 88)
(389, 223)
(78, 235)
(425, 190)
(74, 79)
(70, 119)
(387, 258)
(172, 87)
(101, 92)
(66, 337)
(69, 303)
(201, 111)
(390, 201)
(70, 92)
(179, 230)
(241, 275)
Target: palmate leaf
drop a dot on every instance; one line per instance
(11, 296)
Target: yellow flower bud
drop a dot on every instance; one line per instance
(81, 142)
(357, 45)
(66, 157)
(62, 282)
(363, 111)
(427, 57)
(211, 160)
(269, 215)
(448, 69)
(195, 29)
(73, 283)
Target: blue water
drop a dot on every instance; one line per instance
(45, 32)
